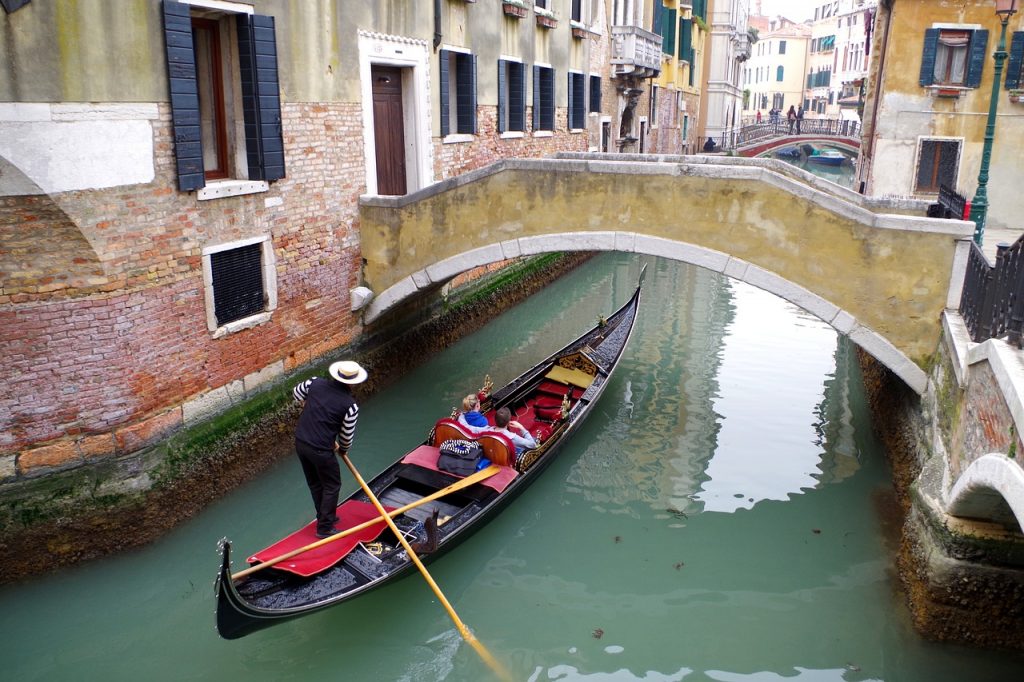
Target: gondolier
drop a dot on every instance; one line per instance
(326, 426)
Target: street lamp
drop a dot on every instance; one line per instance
(979, 206)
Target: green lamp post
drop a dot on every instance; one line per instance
(979, 206)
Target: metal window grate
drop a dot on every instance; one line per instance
(237, 283)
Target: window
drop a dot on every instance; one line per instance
(458, 92)
(779, 73)
(1013, 66)
(240, 287)
(511, 96)
(577, 11)
(225, 112)
(653, 106)
(595, 94)
(543, 98)
(937, 165)
(782, 47)
(578, 102)
(953, 58)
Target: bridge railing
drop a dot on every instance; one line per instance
(992, 303)
(766, 130)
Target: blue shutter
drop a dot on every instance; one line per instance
(442, 71)
(184, 91)
(931, 45)
(1016, 60)
(261, 97)
(536, 97)
(502, 104)
(465, 93)
(976, 58)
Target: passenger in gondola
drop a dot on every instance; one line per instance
(516, 432)
(471, 417)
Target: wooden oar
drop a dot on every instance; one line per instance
(468, 636)
(458, 485)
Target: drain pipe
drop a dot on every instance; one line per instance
(437, 24)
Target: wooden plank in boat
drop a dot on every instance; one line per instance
(396, 497)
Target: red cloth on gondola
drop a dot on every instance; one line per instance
(351, 513)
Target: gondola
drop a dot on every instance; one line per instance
(434, 509)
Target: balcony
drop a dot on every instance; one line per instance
(635, 52)
(741, 43)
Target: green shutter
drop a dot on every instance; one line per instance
(976, 58)
(502, 104)
(442, 72)
(931, 46)
(686, 40)
(668, 35)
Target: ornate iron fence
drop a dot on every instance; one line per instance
(992, 303)
(951, 205)
(767, 130)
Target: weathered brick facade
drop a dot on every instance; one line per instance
(105, 324)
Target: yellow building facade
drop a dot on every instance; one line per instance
(930, 85)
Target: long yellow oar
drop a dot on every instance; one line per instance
(476, 477)
(468, 636)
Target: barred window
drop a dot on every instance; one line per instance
(937, 165)
(240, 287)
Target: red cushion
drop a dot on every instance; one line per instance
(547, 401)
(548, 413)
(553, 388)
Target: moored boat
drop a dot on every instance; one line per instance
(826, 157)
(432, 508)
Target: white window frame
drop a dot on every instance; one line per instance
(268, 264)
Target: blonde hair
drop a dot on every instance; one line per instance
(470, 402)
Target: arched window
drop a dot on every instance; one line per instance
(778, 74)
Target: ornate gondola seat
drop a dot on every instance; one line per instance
(497, 447)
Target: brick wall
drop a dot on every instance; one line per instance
(103, 325)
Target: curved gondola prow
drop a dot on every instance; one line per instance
(233, 619)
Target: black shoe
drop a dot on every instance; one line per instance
(327, 534)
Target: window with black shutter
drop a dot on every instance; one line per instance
(543, 98)
(1015, 65)
(237, 283)
(458, 92)
(577, 102)
(225, 94)
(595, 95)
(511, 96)
(937, 165)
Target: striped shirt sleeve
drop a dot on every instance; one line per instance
(301, 390)
(348, 428)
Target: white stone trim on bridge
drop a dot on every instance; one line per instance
(989, 482)
(631, 242)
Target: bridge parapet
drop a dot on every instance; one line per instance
(881, 278)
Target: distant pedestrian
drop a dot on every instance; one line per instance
(799, 118)
(791, 118)
(709, 146)
(758, 117)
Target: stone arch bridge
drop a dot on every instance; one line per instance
(867, 267)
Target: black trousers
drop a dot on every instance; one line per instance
(323, 476)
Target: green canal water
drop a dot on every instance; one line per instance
(724, 514)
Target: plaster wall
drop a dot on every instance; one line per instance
(908, 112)
(766, 57)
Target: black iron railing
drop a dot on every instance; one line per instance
(767, 130)
(992, 303)
(951, 205)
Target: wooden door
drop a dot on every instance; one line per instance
(388, 129)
